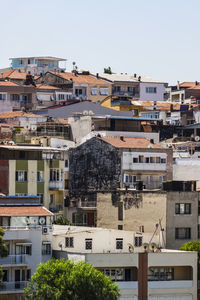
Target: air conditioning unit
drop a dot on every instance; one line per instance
(45, 230)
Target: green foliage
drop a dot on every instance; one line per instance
(3, 250)
(108, 70)
(62, 221)
(192, 246)
(65, 280)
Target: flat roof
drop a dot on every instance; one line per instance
(40, 58)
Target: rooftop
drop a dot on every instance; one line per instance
(16, 114)
(24, 211)
(82, 78)
(128, 78)
(130, 142)
(40, 58)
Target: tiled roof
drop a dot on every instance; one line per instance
(79, 78)
(187, 84)
(24, 211)
(128, 78)
(15, 74)
(15, 114)
(8, 83)
(46, 87)
(130, 142)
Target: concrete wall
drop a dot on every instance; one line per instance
(159, 96)
(187, 169)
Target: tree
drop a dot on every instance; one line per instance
(62, 221)
(66, 280)
(192, 246)
(3, 250)
(108, 70)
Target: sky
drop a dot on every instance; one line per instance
(156, 38)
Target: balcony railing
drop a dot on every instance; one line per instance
(86, 204)
(56, 185)
(125, 93)
(12, 286)
(13, 260)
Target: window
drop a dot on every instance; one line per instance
(52, 198)
(2, 96)
(103, 91)
(163, 161)
(147, 160)
(41, 198)
(14, 97)
(28, 274)
(93, 91)
(88, 244)
(141, 158)
(120, 227)
(138, 241)
(55, 175)
(182, 233)
(151, 90)
(80, 219)
(141, 228)
(198, 231)
(119, 244)
(117, 89)
(46, 249)
(66, 163)
(183, 208)
(20, 194)
(130, 179)
(158, 160)
(21, 176)
(40, 176)
(23, 249)
(5, 275)
(114, 274)
(135, 159)
(61, 96)
(69, 242)
(131, 90)
(160, 274)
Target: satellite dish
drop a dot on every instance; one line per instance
(85, 112)
(152, 247)
(60, 245)
(197, 138)
(130, 248)
(145, 247)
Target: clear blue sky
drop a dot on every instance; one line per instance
(156, 38)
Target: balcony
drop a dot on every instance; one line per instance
(14, 260)
(56, 185)
(12, 286)
(125, 93)
(87, 204)
(171, 284)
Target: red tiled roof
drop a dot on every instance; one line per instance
(130, 142)
(15, 114)
(46, 87)
(79, 78)
(24, 211)
(187, 84)
(8, 83)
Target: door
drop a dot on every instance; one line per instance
(17, 279)
(90, 219)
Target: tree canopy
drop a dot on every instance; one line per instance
(192, 246)
(62, 221)
(108, 70)
(66, 280)
(3, 249)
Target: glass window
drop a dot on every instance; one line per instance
(183, 208)
(135, 159)
(69, 242)
(119, 243)
(21, 176)
(40, 176)
(152, 90)
(183, 233)
(138, 241)
(94, 91)
(103, 91)
(88, 244)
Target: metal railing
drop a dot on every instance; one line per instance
(12, 285)
(86, 204)
(13, 259)
(56, 185)
(125, 93)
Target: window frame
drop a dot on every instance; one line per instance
(119, 243)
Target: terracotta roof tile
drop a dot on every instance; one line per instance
(79, 78)
(15, 114)
(46, 87)
(24, 211)
(187, 84)
(8, 83)
(130, 142)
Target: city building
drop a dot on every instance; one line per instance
(28, 237)
(140, 267)
(36, 65)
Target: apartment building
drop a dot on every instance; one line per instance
(141, 269)
(34, 170)
(85, 86)
(28, 237)
(16, 97)
(136, 86)
(37, 64)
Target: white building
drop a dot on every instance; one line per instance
(128, 258)
(28, 237)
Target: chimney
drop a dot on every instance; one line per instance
(97, 75)
(154, 105)
(135, 75)
(121, 138)
(178, 85)
(139, 78)
(152, 141)
(196, 83)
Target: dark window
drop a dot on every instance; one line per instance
(21, 154)
(163, 160)
(183, 208)
(120, 227)
(198, 231)
(88, 244)
(141, 158)
(66, 163)
(28, 274)
(138, 241)
(141, 228)
(182, 233)
(5, 275)
(135, 159)
(69, 242)
(119, 243)
(120, 211)
(147, 160)
(21, 176)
